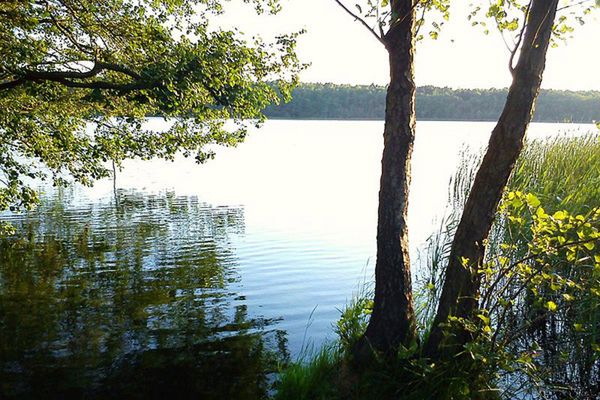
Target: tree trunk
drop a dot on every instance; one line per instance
(461, 287)
(393, 321)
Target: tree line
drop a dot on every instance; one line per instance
(331, 101)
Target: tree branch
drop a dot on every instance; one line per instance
(362, 21)
(573, 5)
(420, 21)
(488, 295)
(12, 84)
(118, 68)
(103, 85)
(68, 78)
(69, 34)
(513, 52)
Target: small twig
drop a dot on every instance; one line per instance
(573, 5)
(362, 21)
(513, 52)
(522, 260)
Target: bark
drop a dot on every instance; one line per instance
(392, 322)
(461, 287)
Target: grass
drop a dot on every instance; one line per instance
(312, 377)
(563, 172)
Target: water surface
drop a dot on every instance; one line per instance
(198, 281)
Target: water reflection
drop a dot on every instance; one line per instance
(136, 301)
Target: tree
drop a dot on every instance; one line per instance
(459, 296)
(392, 323)
(79, 77)
(460, 293)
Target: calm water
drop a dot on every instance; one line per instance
(198, 281)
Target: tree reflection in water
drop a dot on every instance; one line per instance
(138, 300)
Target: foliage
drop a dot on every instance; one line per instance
(332, 373)
(563, 174)
(354, 319)
(528, 313)
(78, 78)
(536, 325)
(380, 17)
(329, 101)
(509, 16)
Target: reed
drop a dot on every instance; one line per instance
(563, 172)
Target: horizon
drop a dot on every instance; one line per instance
(446, 87)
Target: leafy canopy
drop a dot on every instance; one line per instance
(510, 17)
(79, 77)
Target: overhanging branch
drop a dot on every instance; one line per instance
(71, 78)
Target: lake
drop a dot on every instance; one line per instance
(198, 281)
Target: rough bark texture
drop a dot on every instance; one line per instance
(393, 321)
(461, 287)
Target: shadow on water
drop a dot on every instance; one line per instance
(136, 301)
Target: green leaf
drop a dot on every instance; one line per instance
(485, 319)
(568, 297)
(551, 306)
(560, 215)
(532, 200)
(540, 213)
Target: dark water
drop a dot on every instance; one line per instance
(201, 281)
(135, 300)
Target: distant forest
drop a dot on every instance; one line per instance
(329, 101)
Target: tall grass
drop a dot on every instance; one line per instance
(430, 276)
(563, 172)
(314, 376)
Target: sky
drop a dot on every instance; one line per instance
(341, 50)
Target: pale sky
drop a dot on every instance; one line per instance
(342, 51)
